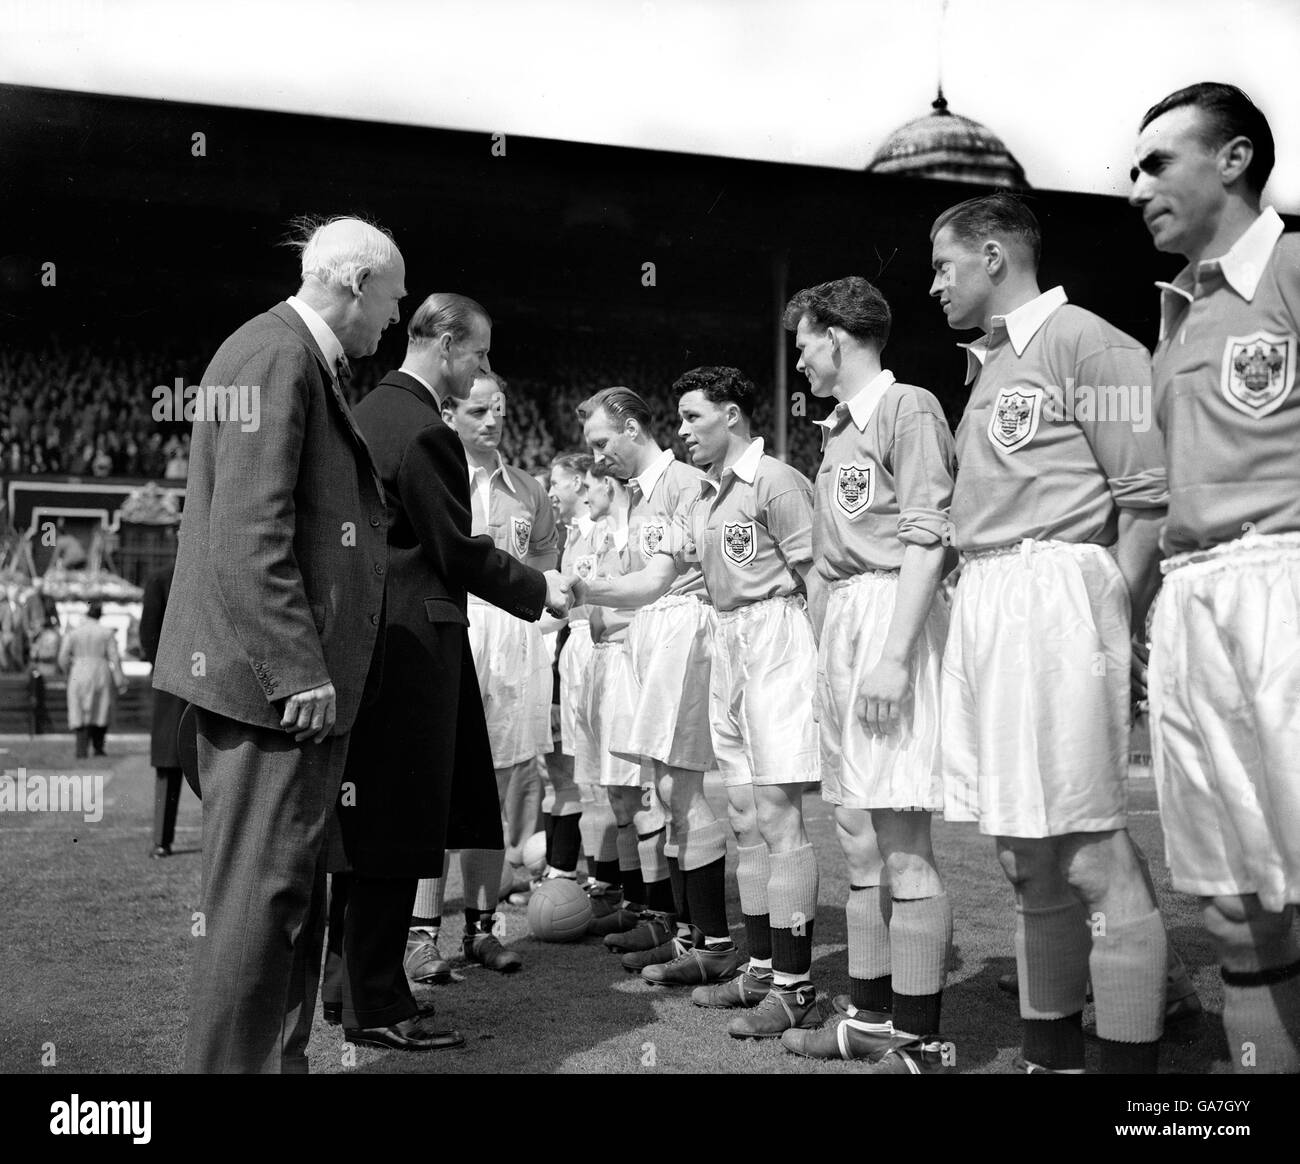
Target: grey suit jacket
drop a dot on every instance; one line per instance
(280, 566)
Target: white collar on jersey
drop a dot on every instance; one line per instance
(1242, 266)
(475, 470)
(647, 481)
(1021, 326)
(614, 531)
(744, 467)
(861, 406)
(584, 525)
(321, 331)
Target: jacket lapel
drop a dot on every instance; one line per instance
(415, 388)
(286, 315)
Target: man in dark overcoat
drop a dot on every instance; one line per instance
(419, 778)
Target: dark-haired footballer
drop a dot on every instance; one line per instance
(670, 646)
(1036, 670)
(883, 492)
(1225, 662)
(749, 530)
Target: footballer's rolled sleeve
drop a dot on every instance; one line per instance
(1121, 431)
(923, 459)
(788, 518)
(544, 541)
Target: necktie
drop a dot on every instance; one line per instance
(344, 373)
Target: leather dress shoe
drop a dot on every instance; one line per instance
(413, 1034)
(333, 1012)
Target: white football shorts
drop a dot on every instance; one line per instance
(1035, 692)
(1225, 719)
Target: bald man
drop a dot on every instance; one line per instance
(273, 617)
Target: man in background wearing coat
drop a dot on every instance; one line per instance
(420, 778)
(164, 748)
(272, 621)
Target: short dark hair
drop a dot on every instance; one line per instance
(621, 403)
(720, 385)
(850, 303)
(575, 463)
(445, 311)
(999, 215)
(1228, 113)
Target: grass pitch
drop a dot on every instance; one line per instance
(95, 938)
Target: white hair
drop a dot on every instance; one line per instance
(335, 250)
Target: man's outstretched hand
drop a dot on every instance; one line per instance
(558, 597)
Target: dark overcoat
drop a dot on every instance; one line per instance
(164, 751)
(419, 777)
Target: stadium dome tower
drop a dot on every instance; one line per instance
(946, 146)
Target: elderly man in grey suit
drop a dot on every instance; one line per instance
(274, 613)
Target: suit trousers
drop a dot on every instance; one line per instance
(267, 802)
(364, 972)
(166, 802)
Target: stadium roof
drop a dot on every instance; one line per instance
(947, 146)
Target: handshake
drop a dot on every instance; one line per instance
(563, 591)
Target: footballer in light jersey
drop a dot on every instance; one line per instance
(510, 658)
(1225, 662)
(580, 817)
(882, 498)
(749, 531)
(670, 646)
(640, 886)
(1035, 686)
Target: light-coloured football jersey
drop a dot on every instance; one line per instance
(1225, 374)
(610, 549)
(518, 518)
(1059, 430)
(748, 530)
(661, 497)
(885, 480)
(579, 558)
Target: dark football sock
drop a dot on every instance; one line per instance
(681, 906)
(706, 893)
(872, 993)
(548, 827)
(1056, 1044)
(565, 842)
(610, 873)
(658, 896)
(917, 1014)
(1128, 1058)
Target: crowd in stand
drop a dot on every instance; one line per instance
(88, 411)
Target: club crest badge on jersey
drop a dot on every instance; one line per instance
(584, 566)
(855, 488)
(1016, 414)
(521, 529)
(738, 542)
(1258, 371)
(652, 536)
